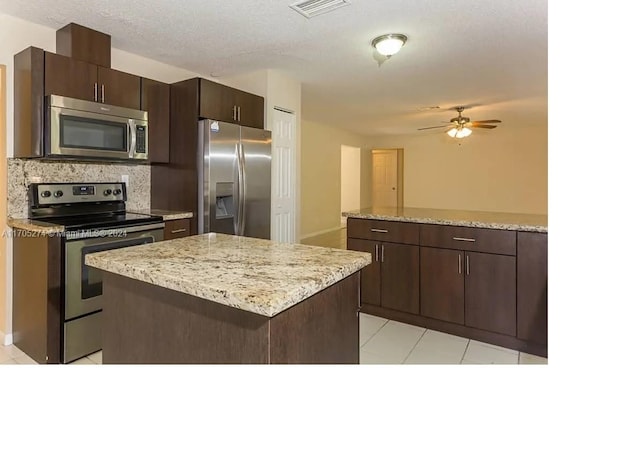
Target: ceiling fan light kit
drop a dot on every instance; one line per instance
(389, 44)
(459, 132)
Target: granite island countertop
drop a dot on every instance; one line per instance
(494, 220)
(261, 276)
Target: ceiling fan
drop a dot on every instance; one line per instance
(460, 127)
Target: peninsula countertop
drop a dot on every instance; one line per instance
(494, 220)
(256, 275)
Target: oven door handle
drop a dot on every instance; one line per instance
(101, 233)
(132, 138)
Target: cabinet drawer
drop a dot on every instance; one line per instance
(177, 229)
(469, 239)
(392, 231)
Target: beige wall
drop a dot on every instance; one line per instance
(3, 209)
(503, 170)
(349, 178)
(320, 175)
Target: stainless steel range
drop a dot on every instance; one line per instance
(95, 219)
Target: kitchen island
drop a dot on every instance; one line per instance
(216, 298)
(480, 275)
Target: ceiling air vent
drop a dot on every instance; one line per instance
(311, 8)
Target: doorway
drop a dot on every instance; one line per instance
(283, 176)
(387, 181)
(349, 181)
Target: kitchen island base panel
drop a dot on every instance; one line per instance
(458, 329)
(146, 324)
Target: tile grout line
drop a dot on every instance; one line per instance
(414, 345)
(465, 351)
(375, 333)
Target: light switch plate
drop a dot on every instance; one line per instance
(125, 178)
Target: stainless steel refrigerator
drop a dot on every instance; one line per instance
(234, 179)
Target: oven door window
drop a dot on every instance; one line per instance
(93, 134)
(91, 282)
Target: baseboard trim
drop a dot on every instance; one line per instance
(6, 339)
(318, 233)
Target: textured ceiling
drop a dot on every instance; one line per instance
(490, 54)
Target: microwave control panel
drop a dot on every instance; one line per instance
(141, 139)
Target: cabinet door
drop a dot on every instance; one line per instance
(64, 76)
(156, 100)
(250, 110)
(490, 292)
(442, 284)
(400, 277)
(217, 101)
(119, 88)
(532, 287)
(370, 277)
(177, 229)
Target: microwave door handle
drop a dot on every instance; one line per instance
(132, 138)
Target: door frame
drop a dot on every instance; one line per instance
(399, 173)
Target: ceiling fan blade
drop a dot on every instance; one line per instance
(435, 127)
(482, 126)
(490, 121)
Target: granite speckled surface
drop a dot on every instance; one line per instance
(256, 275)
(34, 226)
(166, 215)
(21, 172)
(494, 220)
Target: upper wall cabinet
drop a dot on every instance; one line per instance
(228, 104)
(65, 76)
(156, 100)
(38, 74)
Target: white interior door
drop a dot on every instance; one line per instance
(283, 177)
(385, 178)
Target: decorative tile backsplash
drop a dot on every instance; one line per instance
(22, 172)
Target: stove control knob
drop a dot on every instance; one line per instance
(117, 191)
(107, 192)
(45, 194)
(58, 194)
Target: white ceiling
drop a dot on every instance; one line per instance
(491, 55)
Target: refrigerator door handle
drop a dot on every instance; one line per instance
(243, 190)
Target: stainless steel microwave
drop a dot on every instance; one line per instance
(87, 130)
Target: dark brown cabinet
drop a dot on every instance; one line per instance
(64, 76)
(475, 284)
(156, 100)
(73, 78)
(370, 275)
(177, 229)
(38, 74)
(118, 88)
(228, 104)
(532, 287)
(442, 284)
(484, 284)
(474, 289)
(392, 280)
(490, 292)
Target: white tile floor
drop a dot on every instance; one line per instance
(381, 342)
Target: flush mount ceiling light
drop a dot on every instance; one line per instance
(389, 44)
